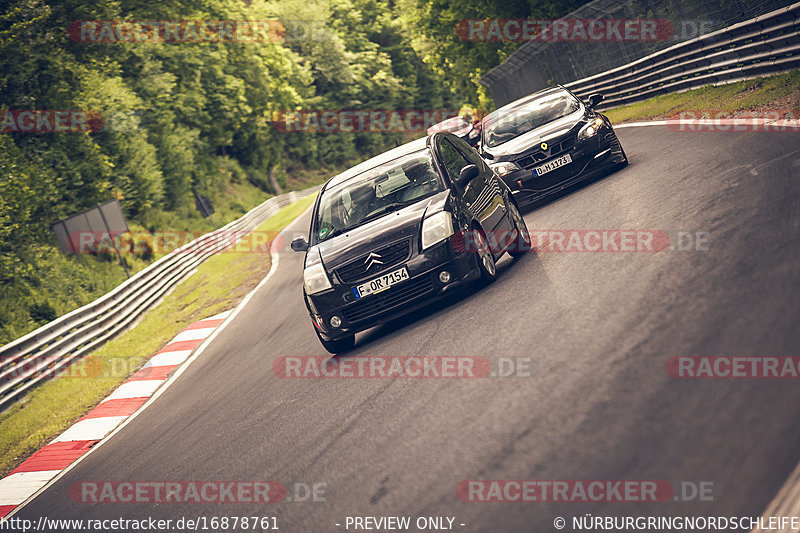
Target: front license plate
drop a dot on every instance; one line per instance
(380, 283)
(552, 165)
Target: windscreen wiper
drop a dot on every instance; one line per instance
(372, 216)
(386, 209)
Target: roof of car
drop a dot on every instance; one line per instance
(385, 157)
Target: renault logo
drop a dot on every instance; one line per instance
(543, 146)
(372, 260)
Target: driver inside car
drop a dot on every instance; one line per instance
(422, 180)
(362, 203)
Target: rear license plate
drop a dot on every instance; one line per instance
(552, 165)
(381, 283)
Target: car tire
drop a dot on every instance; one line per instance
(484, 257)
(624, 162)
(522, 242)
(339, 345)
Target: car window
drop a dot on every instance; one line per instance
(505, 124)
(452, 159)
(375, 193)
(469, 194)
(391, 183)
(470, 155)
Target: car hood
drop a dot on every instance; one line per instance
(389, 228)
(518, 145)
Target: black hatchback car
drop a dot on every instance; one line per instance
(548, 141)
(400, 230)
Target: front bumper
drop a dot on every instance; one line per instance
(590, 158)
(422, 287)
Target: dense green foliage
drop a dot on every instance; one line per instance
(177, 117)
(463, 62)
(185, 117)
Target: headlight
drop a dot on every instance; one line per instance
(436, 228)
(503, 168)
(591, 129)
(316, 279)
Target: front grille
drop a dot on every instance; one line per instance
(552, 178)
(375, 304)
(553, 150)
(388, 256)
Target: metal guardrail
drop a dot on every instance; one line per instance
(539, 63)
(766, 44)
(43, 353)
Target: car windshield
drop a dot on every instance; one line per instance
(505, 124)
(374, 193)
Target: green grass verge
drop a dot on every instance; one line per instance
(774, 93)
(218, 285)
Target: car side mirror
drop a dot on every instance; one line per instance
(299, 244)
(595, 99)
(468, 173)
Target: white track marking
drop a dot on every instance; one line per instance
(193, 334)
(641, 124)
(135, 389)
(168, 358)
(18, 487)
(90, 429)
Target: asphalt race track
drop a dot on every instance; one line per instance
(598, 404)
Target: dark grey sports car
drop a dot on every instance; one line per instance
(549, 140)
